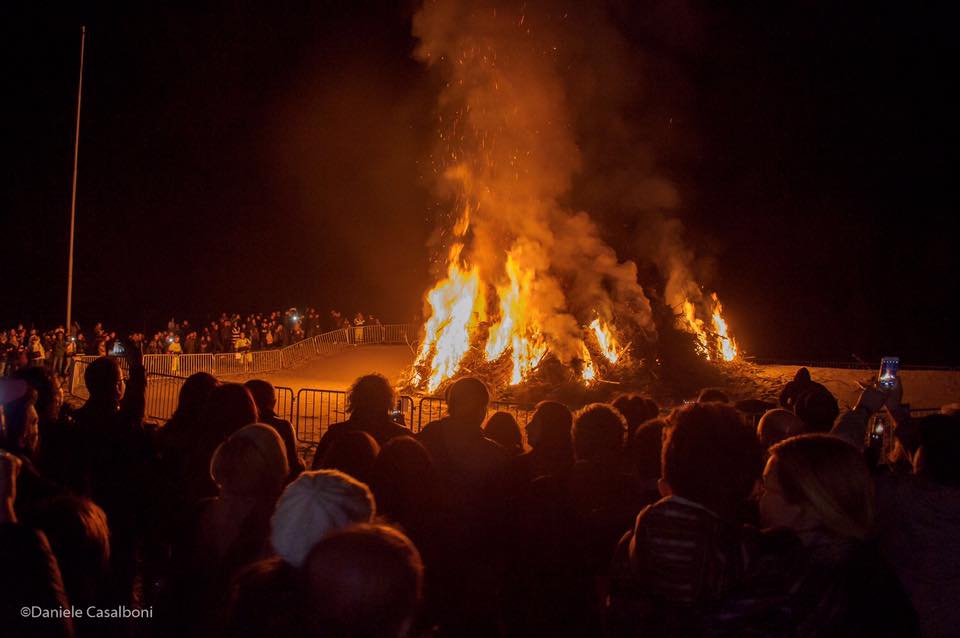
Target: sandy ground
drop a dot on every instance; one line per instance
(338, 371)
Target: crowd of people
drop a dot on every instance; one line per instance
(54, 349)
(612, 520)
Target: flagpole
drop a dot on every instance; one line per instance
(73, 193)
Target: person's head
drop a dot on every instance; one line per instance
(49, 393)
(818, 483)
(938, 457)
(467, 401)
(404, 479)
(353, 453)
(21, 433)
(314, 505)
(713, 395)
(551, 426)
(194, 394)
(365, 581)
(711, 457)
(80, 539)
(370, 395)
(502, 427)
(598, 432)
(252, 462)
(817, 408)
(264, 395)
(777, 425)
(104, 380)
(636, 409)
(644, 448)
(229, 407)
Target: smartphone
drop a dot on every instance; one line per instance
(889, 369)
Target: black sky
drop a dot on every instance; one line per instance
(240, 155)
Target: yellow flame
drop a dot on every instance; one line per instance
(455, 304)
(608, 343)
(589, 372)
(516, 329)
(716, 343)
(725, 343)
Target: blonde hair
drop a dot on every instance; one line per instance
(252, 462)
(830, 476)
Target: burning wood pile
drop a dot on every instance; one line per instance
(528, 294)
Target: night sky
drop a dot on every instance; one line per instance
(248, 156)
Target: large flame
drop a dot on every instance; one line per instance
(456, 305)
(716, 342)
(507, 155)
(517, 328)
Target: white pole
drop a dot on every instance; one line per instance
(73, 193)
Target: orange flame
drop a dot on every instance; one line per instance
(717, 343)
(517, 329)
(589, 372)
(457, 305)
(608, 343)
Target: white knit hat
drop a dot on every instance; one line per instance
(314, 505)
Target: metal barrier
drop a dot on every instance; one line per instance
(163, 394)
(407, 409)
(316, 410)
(286, 404)
(179, 365)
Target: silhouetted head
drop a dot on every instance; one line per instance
(713, 395)
(939, 455)
(194, 394)
(550, 426)
(644, 448)
(21, 432)
(710, 456)
(404, 479)
(252, 462)
(104, 380)
(503, 428)
(365, 581)
(636, 409)
(777, 425)
(467, 401)
(370, 395)
(47, 386)
(264, 395)
(229, 408)
(598, 432)
(817, 408)
(352, 453)
(818, 482)
(80, 539)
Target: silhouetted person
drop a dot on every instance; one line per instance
(114, 451)
(352, 453)
(713, 395)
(636, 409)
(502, 427)
(265, 396)
(363, 582)
(550, 436)
(369, 403)
(644, 451)
(777, 425)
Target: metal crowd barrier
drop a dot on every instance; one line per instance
(286, 404)
(316, 410)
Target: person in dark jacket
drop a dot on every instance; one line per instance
(265, 396)
(369, 402)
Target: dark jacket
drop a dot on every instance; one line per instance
(285, 429)
(381, 429)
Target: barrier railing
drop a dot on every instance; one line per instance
(286, 404)
(316, 410)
